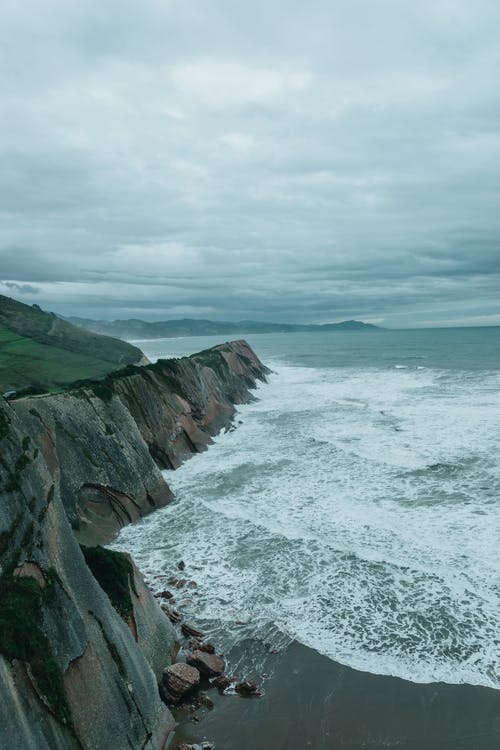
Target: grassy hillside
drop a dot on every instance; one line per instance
(41, 350)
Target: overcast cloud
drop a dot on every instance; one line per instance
(275, 160)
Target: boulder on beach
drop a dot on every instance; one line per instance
(197, 645)
(222, 682)
(247, 687)
(209, 665)
(179, 679)
(190, 631)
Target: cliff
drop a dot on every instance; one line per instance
(82, 642)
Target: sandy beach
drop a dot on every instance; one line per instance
(312, 702)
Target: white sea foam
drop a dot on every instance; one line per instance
(356, 510)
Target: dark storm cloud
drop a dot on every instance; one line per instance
(274, 161)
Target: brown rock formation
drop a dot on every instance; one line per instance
(71, 672)
(104, 442)
(179, 679)
(222, 682)
(209, 665)
(247, 688)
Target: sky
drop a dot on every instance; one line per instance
(280, 160)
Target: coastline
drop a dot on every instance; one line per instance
(79, 474)
(312, 702)
(83, 643)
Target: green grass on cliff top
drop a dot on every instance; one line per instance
(41, 350)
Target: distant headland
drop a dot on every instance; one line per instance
(141, 329)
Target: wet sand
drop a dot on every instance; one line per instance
(313, 703)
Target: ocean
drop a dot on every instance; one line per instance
(355, 507)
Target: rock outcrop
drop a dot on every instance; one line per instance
(107, 441)
(73, 675)
(179, 679)
(83, 644)
(209, 665)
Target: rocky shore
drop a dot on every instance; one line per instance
(83, 643)
(311, 702)
(196, 666)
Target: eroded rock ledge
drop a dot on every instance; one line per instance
(106, 442)
(80, 654)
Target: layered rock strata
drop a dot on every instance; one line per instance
(179, 679)
(74, 674)
(108, 439)
(83, 644)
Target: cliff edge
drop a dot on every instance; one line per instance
(82, 641)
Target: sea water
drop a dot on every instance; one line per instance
(355, 507)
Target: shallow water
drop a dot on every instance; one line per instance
(356, 508)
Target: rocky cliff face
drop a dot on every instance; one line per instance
(107, 441)
(82, 642)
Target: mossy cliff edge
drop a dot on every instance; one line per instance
(82, 642)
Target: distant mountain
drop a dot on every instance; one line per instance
(140, 329)
(40, 350)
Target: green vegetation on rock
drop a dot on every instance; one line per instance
(14, 472)
(212, 358)
(103, 388)
(169, 371)
(115, 575)
(4, 425)
(22, 637)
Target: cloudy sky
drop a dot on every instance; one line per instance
(274, 160)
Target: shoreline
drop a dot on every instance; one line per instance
(84, 645)
(306, 700)
(312, 702)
